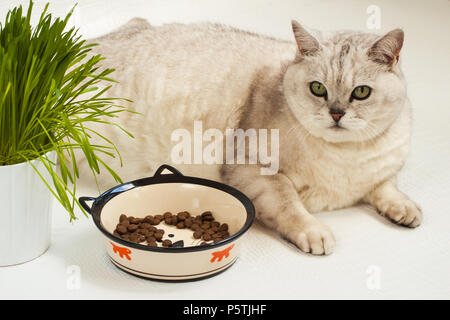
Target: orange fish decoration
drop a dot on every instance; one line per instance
(220, 254)
(123, 252)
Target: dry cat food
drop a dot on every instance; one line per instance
(144, 230)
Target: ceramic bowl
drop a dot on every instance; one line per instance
(172, 192)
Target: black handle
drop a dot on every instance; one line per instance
(170, 168)
(82, 201)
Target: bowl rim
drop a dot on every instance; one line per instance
(105, 197)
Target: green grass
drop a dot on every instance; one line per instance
(44, 71)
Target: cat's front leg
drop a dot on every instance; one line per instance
(279, 207)
(394, 204)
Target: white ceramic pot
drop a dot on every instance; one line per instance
(25, 216)
(172, 192)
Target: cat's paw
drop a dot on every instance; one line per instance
(404, 212)
(315, 238)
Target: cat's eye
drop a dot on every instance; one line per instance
(318, 89)
(361, 93)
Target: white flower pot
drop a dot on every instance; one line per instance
(25, 215)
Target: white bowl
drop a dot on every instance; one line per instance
(174, 193)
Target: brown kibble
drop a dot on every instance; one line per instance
(188, 222)
(152, 243)
(198, 219)
(207, 216)
(141, 231)
(148, 219)
(206, 213)
(183, 215)
(215, 224)
(198, 234)
(167, 214)
(132, 227)
(205, 225)
(167, 243)
(206, 237)
(145, 225)
(195, 226)
(148, 233)
(121, 229)
(180, 225)
(220, 233)
(134, 237)
(135, 220)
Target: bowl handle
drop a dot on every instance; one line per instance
(170, 168)
(83, 203)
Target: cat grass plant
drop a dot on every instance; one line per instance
(48, 98)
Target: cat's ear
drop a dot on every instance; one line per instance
(386, 50)
(307, 44)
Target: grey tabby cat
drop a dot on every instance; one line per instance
(338, 99)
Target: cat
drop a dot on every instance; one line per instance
(338, 99)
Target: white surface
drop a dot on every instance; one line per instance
(409, 263)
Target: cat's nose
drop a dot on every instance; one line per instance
(336, 114)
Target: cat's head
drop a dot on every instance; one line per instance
(346, 86)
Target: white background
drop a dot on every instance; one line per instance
(373, 259)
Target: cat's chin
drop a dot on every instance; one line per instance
(337, 134)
